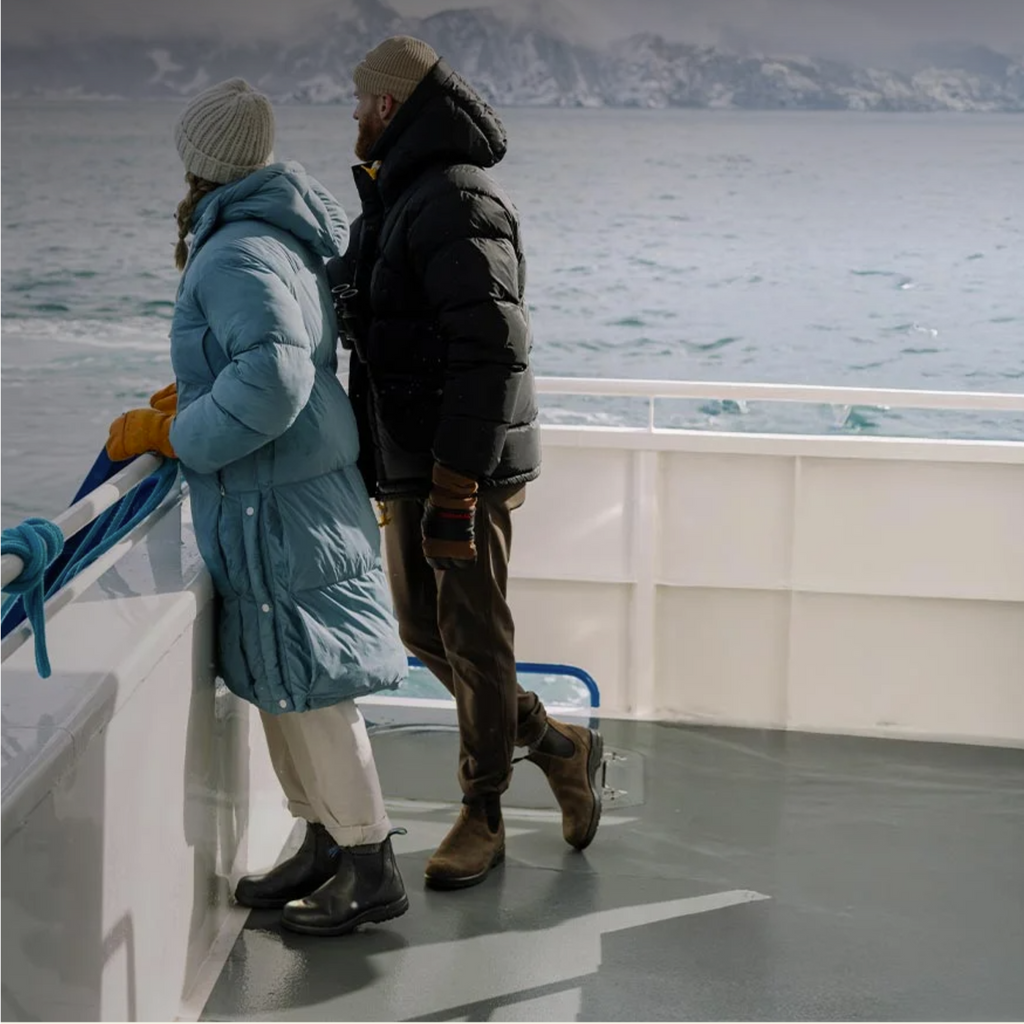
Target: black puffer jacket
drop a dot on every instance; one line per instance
(441, 367)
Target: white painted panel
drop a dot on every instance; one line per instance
(576, 518)
(117, 882)
(583, 624)
(945, 530)
(725, 520)
(722, 655)
(916, 666)
(52, 929)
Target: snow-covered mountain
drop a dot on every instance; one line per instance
(647, 71)
(519, 62)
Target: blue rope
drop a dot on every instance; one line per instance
(40, 544)
(37, 542)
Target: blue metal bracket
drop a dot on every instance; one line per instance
(542, 669)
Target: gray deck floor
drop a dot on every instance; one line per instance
(744, 875)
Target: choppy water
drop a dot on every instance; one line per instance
(876, 250)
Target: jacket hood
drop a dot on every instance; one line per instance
(445, 120)
(284, 196)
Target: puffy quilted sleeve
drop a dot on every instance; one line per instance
(465, 245)
(268, 379)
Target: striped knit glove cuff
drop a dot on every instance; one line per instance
(448, 518)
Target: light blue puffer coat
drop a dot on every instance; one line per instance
(268, 442)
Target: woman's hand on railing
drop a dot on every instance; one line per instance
(139, 431)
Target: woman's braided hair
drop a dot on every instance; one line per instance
(197, 188)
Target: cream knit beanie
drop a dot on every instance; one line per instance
(226, 132)
(395, 68)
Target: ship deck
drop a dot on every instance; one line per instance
(737, 875)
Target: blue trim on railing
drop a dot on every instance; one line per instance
(541, 668)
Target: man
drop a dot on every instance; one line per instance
(442, 385)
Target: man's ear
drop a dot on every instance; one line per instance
(386, 107)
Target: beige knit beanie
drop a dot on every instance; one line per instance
(226, 132)
(395, 68)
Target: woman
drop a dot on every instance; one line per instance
(268, 443)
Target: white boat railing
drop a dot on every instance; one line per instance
(895, 398)
(84, 512)
(90, 508)
(93, 505)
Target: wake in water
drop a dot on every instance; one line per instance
(35, 339)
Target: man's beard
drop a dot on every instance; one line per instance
(371, 128)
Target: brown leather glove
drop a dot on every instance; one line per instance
(448, 536)
(139, 431)
(166, 399)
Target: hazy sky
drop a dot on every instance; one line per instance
(871, 30)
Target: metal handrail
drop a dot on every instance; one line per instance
(90, 508)
(994, 401)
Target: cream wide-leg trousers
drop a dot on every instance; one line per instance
(325, 765)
